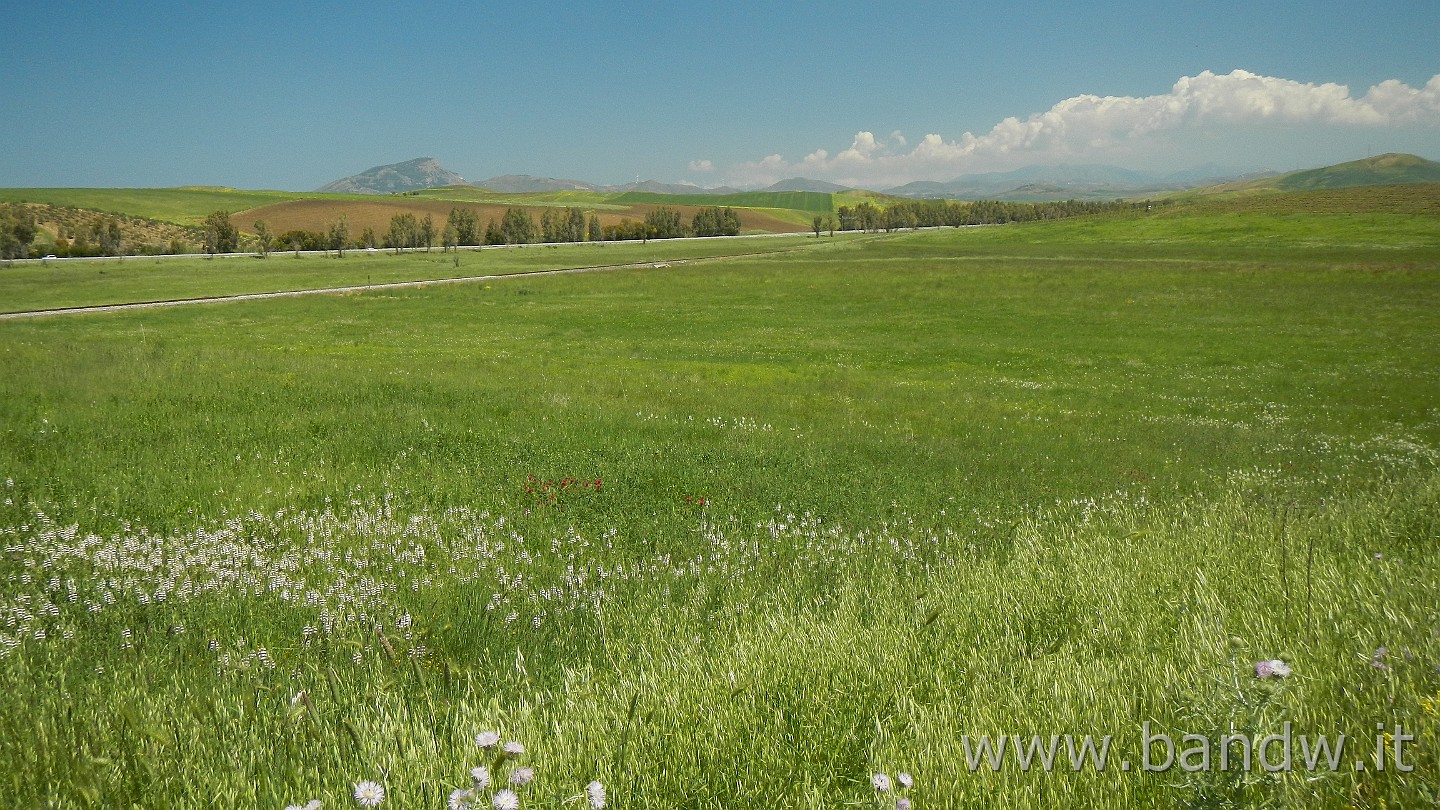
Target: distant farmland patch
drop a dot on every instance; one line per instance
(375, 212)
(182, 206)
(760, 212)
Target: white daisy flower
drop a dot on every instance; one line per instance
(522, 777)
(461, 799)
(514, 749)
(487, 739)
(481, 775)
(506, 800)
(369, 794)
(881, 782)
(905, 779)
(596, 793)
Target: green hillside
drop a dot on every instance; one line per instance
(1402, 198)
(562, 199)
(182, 206)
(1382, 170)
(190, 205)
(812, 201)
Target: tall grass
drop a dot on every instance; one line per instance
(738, 534)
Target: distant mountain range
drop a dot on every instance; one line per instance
(411, 175)
(525, 183)
(423, 173)
(1028, 184)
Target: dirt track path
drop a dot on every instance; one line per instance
(216, 299)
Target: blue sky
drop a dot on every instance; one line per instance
(292, 96)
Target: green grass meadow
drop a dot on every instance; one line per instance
(29, 286)
(738, 533)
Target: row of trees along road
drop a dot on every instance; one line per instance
(518, 226)
(936, 213)
(462, 228)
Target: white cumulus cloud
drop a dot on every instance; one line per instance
(1090, 127)
(702, 166)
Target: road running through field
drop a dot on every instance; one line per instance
(389, 285)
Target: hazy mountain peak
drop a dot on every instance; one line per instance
(412, 175)
(806, 184)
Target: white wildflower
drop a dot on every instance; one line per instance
(522, 777)
(595, 792)
(369, 794)
(1274, 668)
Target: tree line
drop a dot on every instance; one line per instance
(937, 213)
(462, 229)
(17, 231)
(518, 227)
(667, 223)
(88, 233)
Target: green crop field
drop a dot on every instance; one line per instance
(183, 206)
(814, 202)
(749, 532)
(770, 212)
(589, 200)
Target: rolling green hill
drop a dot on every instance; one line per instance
(1382, 170)
(183, 206)
(1402, 198)
(812, 201)
(189, 205)
(530, 199)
